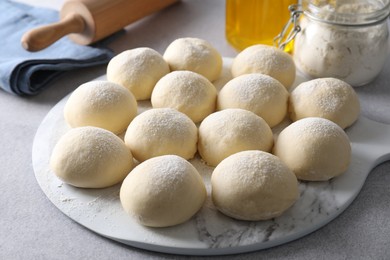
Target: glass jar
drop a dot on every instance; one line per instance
(250, 22)
(345, 39)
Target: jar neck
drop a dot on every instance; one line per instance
(347, 12)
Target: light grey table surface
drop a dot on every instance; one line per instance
(31, 227)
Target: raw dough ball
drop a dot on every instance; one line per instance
(314, 148)
(161, 131)
(267, 60)
(102, 104)
(259, 93)
(91, 157)
(186, 91)
(196, 55)
(328, 98)
(163, 191)
(138, 70)
(229, 131)
(253, 185)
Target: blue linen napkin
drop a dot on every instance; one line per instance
(28, 73)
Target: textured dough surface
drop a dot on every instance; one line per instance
(229, 131)
(102, 104)
(328, 98)
(195, 55)
(91, 157)
(138, 70)
(253, 185)
(258, 93)
(314, 148)
(163, 191)
(186, 91)
(267, 60)
(161, 131)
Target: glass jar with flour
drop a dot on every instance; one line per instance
(344, 39)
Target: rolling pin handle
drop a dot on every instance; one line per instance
(42, 37)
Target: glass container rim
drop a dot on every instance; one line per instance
(314, 12)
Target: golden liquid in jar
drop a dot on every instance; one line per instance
(250, 22)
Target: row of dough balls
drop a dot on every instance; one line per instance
(167, 190)
(221, 135)
(110, 106)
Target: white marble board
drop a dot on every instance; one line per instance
(210, 232)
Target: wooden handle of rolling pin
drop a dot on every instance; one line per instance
(87, 21)
(42, 37)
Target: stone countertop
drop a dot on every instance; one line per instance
(31, 227)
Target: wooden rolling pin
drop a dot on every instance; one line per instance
(87, 21)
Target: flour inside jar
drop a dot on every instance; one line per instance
(347, 40)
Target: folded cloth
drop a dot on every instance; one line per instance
(28, 73)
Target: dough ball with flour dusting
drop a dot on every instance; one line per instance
(267, 60)
(195, 55)
(163, 191)
(138, 70)
(314, 148)
(91, 157)
(253, 185)
(328, 98)
(186, 91)
(102, 104)
(259, 93)
(229, 131)
(161, 131)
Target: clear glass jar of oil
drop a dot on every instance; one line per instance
(250, 22)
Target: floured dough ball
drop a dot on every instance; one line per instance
(161, 131)
(267, 60)
(186, 91)
(91, 157)
(259, 93)
(138, 70)
(229, 131)
(102, 104)
(253, 185)
(314, 148)
(328, 98)
(163, 191)
(196, 55)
